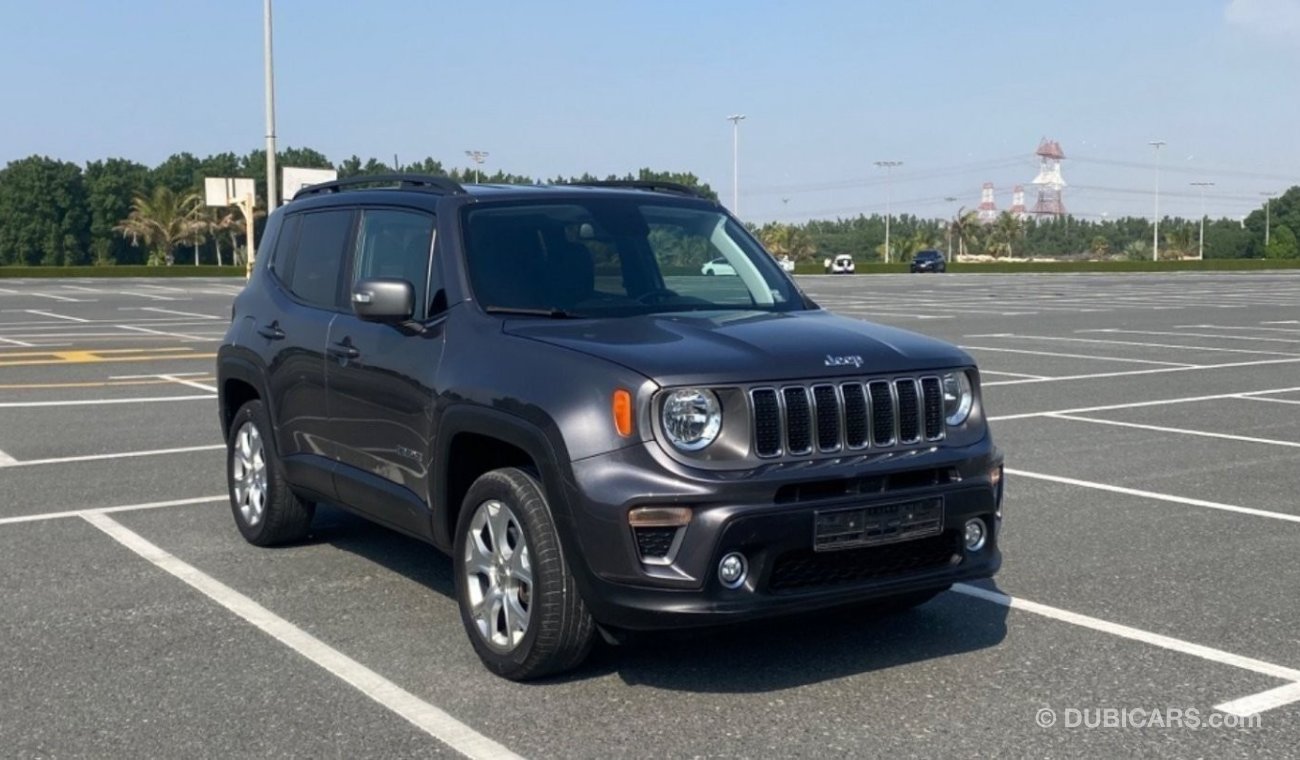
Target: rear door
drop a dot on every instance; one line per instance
(379, 374)
(308, 267)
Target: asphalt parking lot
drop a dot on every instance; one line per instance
(1151, 425)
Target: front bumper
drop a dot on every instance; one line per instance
(768, 515)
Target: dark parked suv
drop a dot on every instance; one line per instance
(929, 261)
(540, 382)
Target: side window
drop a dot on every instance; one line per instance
(318, 261)
(692, 263)
(392, 243)
(282, 256)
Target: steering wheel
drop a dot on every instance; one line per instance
(658, 294)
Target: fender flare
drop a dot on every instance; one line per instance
(231, 366)
(514, 430)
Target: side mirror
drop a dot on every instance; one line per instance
(383, 299)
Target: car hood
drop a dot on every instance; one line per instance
(745, 346)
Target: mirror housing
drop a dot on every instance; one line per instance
(383, 299)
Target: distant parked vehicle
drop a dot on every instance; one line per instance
(718, 266)
(786, 263)
(929, 261)
(842, 264)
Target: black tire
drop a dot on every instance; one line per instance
(559, 631)
(284, 518)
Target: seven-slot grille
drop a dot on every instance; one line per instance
(798, 420)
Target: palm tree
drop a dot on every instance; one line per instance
(965, 226)
(162, 221)
(1006, 232)
(787, 240)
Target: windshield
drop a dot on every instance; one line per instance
(618, 256)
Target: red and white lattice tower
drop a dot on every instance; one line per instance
(1049, 181)
(988, 207)
(1018, 202)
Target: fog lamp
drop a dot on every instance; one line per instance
(975, 535)
(732, 570)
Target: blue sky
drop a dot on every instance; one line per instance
(960, 92)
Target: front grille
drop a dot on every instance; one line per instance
(654, 543)
(798, 420)
(805, 569)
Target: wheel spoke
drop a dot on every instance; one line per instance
(521, 569)
(499, 524)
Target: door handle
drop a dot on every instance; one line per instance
(344, 350)
(271, 331)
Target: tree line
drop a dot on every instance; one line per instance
(120, 211)
(863, 237)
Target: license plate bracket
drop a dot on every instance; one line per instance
(876, 524)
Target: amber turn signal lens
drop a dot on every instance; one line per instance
(659, 517)
(623, 412)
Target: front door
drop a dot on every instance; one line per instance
(378, 375)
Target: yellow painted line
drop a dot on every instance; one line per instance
(87, 357)
(100, 384)
(78, 352)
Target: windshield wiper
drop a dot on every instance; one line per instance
(527, 312)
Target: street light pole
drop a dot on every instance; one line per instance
(1155, 235)
(1201, 246)
(949, 199)
(479, 156)
(1267, 197)
(272, 196)
(735, 120)
(888, 166)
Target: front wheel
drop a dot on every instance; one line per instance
(518, 600)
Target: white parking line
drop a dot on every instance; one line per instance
(1012, 374)
(1263, 701)
(1139, 404)
(179, 313)
(152, 331)
(1112, 330)
(1170, 498)
(1076, 356)
(55, 316)
(190, 383)
(1140, 344)
(8, 461)
(423, 715)
(1266, 398)
(41, 516)
(16, 343)
(1161, 370)
(1247, 706)
(103, 401)
(1182, 431)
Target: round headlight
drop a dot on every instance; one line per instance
(957, 397)
(692, 418)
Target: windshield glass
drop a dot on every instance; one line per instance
(618, 256)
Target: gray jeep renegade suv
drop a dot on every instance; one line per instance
(540, 382)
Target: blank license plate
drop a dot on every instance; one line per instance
(877, 524)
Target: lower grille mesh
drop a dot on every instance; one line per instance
(806, 569)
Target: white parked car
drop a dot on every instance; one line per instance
(842, 264)
(718, 266)
(786, 263)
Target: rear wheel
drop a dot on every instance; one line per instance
(266, 511)
(518, 600)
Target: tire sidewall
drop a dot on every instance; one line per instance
(254, 412)
(527, 502)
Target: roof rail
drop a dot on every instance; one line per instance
(425, 182)
(644, 184)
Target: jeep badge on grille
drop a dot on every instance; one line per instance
(843, 361)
